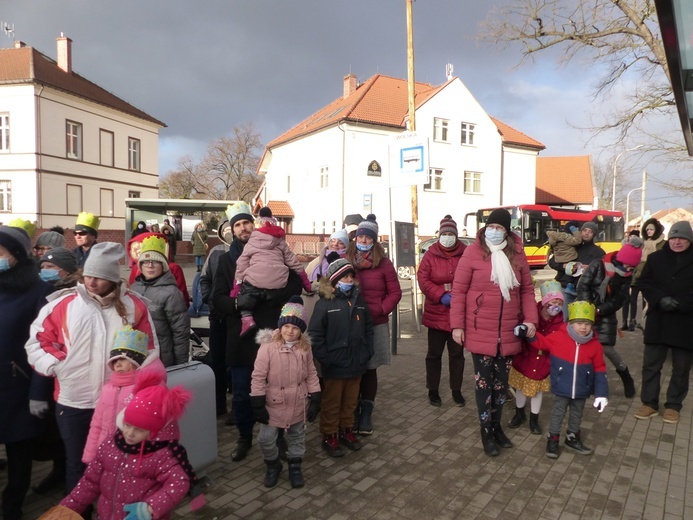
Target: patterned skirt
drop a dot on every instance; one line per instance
(528, 386)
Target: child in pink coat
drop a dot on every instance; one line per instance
(139, 473)
(128, 353)
(283, 379)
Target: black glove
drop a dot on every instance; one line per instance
(520, 330)
(668, 304)
(259, 409)
(314, 407)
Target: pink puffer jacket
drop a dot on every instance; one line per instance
(479, 309)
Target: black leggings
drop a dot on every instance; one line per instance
(369, 385)
(632, 304)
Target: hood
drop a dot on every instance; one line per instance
(139, 238)
(220, 232)
(325, 289)
(659, 229)
(269, 229)
(274, 336)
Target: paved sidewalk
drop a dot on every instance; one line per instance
(427, 462)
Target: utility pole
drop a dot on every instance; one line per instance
(642, 200)
(412, 114)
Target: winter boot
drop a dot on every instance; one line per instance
(242, 447)
(330, 443)
(458, 398)
(357, 417)
(518, 418)
(274, 467)
(534, 428)
(488, 441)
(247, 325)
(500, 437)
(628, 383)
(434, 398)
(349, 439)
(552, 446)
(632, 325)
(366, 426)
(295, 474)
(574, 443)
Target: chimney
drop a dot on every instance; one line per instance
(64, 53)
(349, 85)
(19, 44)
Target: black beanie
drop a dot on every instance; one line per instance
(500, 216)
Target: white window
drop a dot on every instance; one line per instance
(74, 140)
(74, 199)
(106, 140)
(435, 180)
(6, 196)
(106, 202)
(324, 177)
(134, 194)
(133, 154)
(472, 182)
(440, 129)
(4, 132)
(467, 133)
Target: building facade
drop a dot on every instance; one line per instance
(67, 145)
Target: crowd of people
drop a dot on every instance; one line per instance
(87, 352)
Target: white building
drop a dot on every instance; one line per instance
(68, 145)
(337, 161)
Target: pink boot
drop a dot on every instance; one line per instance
(247, 325)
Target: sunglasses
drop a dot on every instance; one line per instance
(81, 233)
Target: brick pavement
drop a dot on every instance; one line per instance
(427, 462)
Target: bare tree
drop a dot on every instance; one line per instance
(620, 36)
(602, 178)
(227, 172)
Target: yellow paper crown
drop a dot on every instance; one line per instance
(89, 220)
(156, 244)
(27, 226)
(237, 208)
(581, 311)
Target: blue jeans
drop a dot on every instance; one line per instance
(242, 408)
(73, 424)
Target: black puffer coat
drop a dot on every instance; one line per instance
(607, 289)
(667, 273)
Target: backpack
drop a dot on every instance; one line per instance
(198, 307)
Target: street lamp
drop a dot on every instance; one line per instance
(613, 188)
(625, 225)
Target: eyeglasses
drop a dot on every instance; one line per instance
(81, 233)
(41, 249)
(150, 263)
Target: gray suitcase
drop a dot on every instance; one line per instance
(198, 426)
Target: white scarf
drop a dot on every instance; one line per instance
(502, 273)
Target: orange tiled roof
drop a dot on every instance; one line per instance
(564, 180)
(512, 136)
(280, 209)
(27, 65)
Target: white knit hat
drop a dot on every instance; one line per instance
(104, 261)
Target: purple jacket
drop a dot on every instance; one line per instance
(380, 290)
(437, 268)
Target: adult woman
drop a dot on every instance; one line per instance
(381, 291)
(199, 243)
(317, 268)
(436, 274)
(492, 293)
(652, 234)
(22, 294)
(165, 302)
(71, 338)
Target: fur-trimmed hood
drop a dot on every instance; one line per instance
(325, 289)
(659, 229)
(275, 336)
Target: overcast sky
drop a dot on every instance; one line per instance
(203, 67)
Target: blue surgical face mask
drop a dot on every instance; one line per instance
(345, 287)
(554, 310)
(4, 264)
(364, 247)
(494, 236)
(49, 275)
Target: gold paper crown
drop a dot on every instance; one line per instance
(27, 226)
(156, 244)
(132, 343)
(238, 207)
(550, 286)
(581, 311)
(89, 220)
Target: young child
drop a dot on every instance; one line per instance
(529, 375)
(577, 371)
(341, 330)
(126, 357)
(263, 268)
(563, 247)
(283, 379)
(139, 472)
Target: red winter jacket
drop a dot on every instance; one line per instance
(478, 307)
(532, 363)
(437, 269)
(380, 290)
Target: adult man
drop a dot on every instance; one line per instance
(667, 285)
(241, 352)
(86, 231)
(217, 323)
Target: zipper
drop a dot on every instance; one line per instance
(500, 319)
(575, 364)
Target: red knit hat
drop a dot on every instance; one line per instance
(629, 255)
(447, 225)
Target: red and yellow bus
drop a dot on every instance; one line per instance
(531, 221)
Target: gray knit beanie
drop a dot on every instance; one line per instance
(63, 258)
(590, 225)
(16, 241)
(681, 229)
(50, 239)
(368, 227)
(103, 261)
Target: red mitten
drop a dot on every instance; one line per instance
(306, 283)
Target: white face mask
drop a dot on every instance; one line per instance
(494, 236)
(447, 240)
